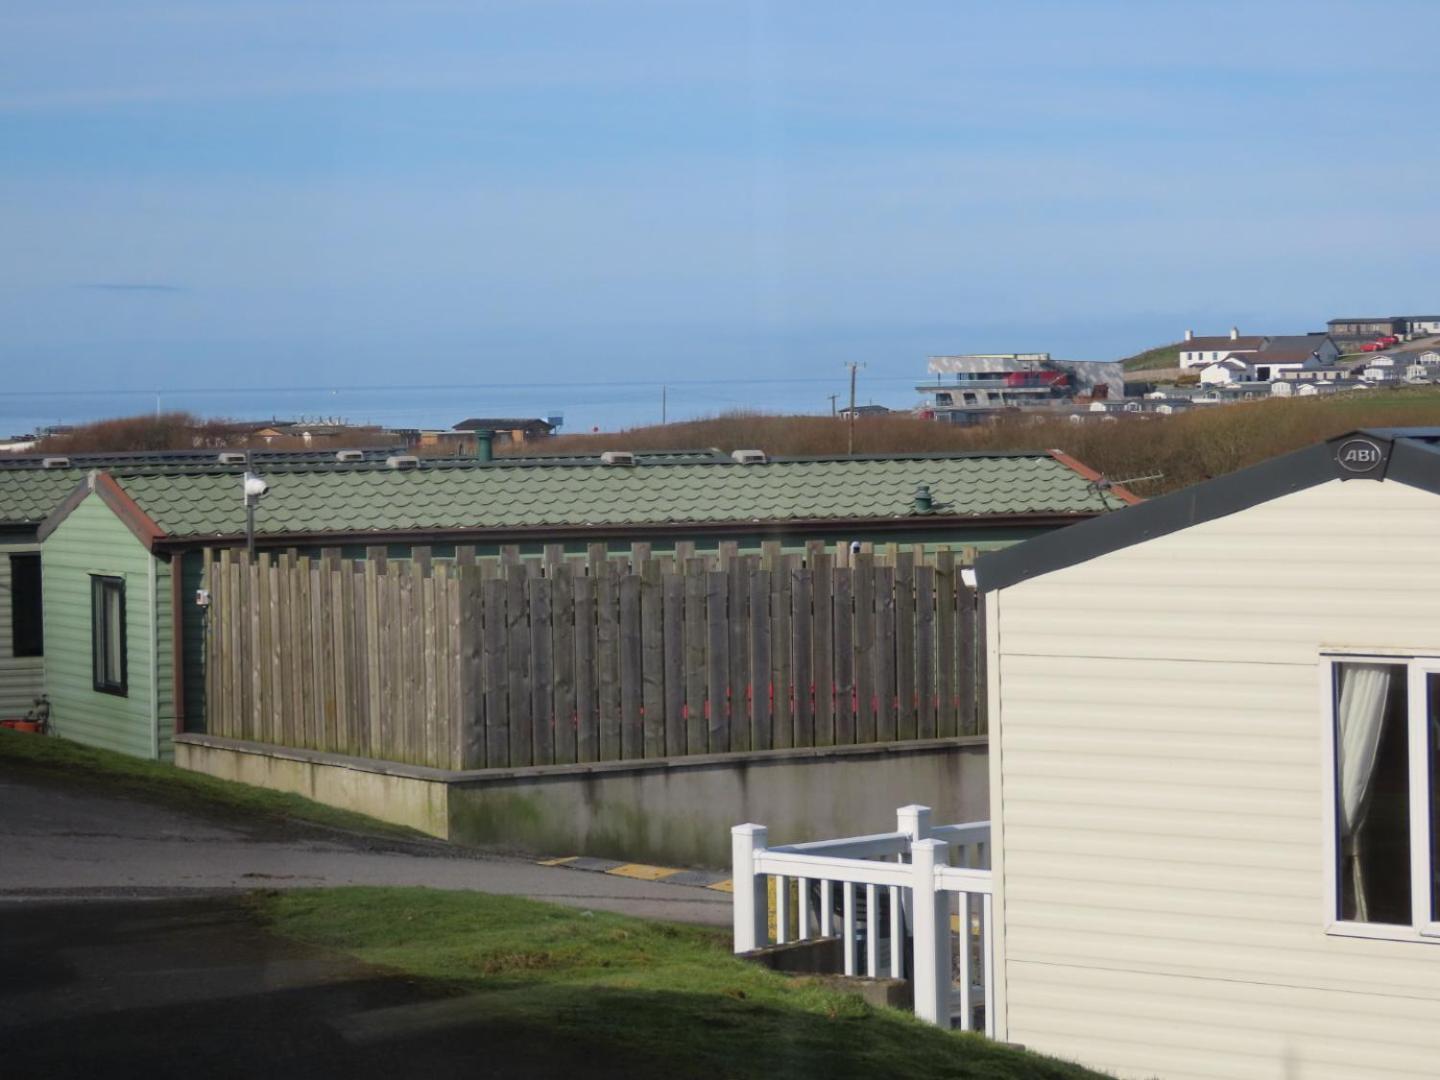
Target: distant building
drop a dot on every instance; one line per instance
(1257, 359)
(511, 430)
(1366, 326)
(1292, 352)
(1232, 369)
(1381, 368)
(1263, 350)
(1199, 351)
(518, 429)
(862, 411)
(971, 389)
(1372, 326)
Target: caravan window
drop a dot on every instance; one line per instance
(1385, 851)
(27, 632)
(107, 634)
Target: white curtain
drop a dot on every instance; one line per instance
(1364, 690)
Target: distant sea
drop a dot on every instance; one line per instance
(584, 407)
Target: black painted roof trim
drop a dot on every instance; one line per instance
(1413, 461)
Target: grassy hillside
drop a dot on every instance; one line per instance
(1162, 356)
(1187, 448)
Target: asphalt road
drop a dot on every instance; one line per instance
(193, 988)
(62, 840)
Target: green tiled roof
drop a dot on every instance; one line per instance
(29, 490)
(28, 496)
(520, 497)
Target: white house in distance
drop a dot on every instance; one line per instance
(1223, 372)
(1280, 357)
(1261, 359)
(1199, 351)
(1215, 774)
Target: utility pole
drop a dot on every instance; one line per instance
(854, 366)
(833, 413)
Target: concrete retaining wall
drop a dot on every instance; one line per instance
(402, 798)
(677, 811)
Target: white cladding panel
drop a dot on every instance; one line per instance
(1161, 793)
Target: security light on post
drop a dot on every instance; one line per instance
(254, 488)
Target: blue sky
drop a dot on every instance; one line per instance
(367, 192)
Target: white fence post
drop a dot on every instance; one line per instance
(751, 903)
(913, 821)
(931, 977)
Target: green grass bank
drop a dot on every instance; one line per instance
(608, 995)
(59, 759)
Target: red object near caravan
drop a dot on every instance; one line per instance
(1036, 378)
(1373, 346)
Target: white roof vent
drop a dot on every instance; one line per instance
(349, 455)
(749, 457)
(402, 461)
(231, 458)
(56, 463)
(617, 457)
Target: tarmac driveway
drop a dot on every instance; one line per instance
(193, 988)
(62, 840)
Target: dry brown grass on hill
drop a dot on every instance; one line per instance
(164, 431)
(184, 431)
(1193, 446)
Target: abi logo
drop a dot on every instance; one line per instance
(1359, 455)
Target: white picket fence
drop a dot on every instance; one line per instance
(908, 881)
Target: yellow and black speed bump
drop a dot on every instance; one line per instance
(701, 879)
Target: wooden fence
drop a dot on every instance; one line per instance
(460, 665)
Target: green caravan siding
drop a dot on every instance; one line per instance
(193, 579)
(92, 540)
(164, 659)
(22, 678)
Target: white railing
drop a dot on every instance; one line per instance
(905, 909)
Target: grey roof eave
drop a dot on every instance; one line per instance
(1409, 461)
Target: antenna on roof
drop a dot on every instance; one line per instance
(1102, 483)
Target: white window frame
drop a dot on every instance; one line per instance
(1422, 928)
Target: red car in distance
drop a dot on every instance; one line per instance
(1373, 346)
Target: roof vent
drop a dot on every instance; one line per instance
(56, 463)
(749, 457)
(349, 455)
(617, 457)
(402, 461)
(231, 457)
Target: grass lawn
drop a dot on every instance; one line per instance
(46, 756)
(557, 990)
(1162, 356)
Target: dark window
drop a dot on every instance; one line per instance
(1432, 757)
(1373, 797)
(107, 632)
(26, 622)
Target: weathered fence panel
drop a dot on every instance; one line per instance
(471, 664)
